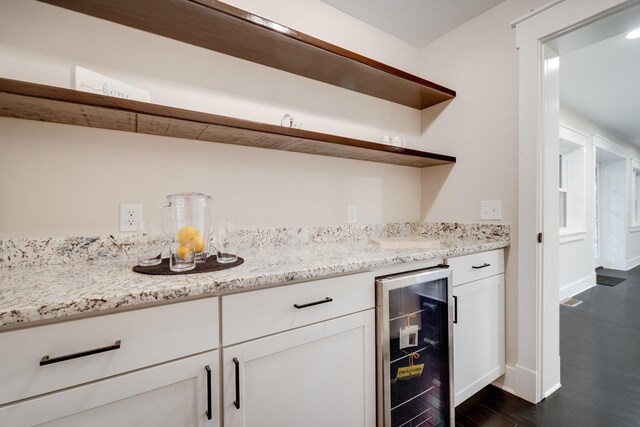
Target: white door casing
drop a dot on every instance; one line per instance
(537, 372)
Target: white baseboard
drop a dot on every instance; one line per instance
(507, 381)
(526, 384)
(578, 286)
(633, 263)
(552, 390)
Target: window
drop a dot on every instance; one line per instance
(572, 188)
(563, 190)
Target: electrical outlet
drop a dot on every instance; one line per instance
(352, 214)
(491, 210)
(130, 216)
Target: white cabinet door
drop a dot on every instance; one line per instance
(172, 394)
(318, 375)
(479, 333)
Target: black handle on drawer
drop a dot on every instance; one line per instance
(236, 403)
(324, 301)
(478, 267)
(46, 360)
(455, 309)
(208, 369)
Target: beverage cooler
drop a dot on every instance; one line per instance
(414, 318)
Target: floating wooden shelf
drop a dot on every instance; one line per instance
(33, 101)
(218, 26)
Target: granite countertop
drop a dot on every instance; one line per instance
(45, 292)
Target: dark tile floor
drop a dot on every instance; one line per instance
(600, 356)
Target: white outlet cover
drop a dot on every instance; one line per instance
(491, 210)
(130, 216)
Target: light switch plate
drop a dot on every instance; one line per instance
(491, 210)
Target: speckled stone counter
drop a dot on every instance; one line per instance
(32, 292)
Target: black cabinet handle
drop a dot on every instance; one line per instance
(236, 403)
(324, 301)
(46, 360)
(455, 309)
(478, 267)
(208, 392)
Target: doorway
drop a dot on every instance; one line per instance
(542, 38)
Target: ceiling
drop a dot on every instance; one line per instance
(601, 82)
(418, 22)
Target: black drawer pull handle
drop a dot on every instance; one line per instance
(455, 309)
(324, 301)
(48, 361)
(208, 392)
(478, 267)
(236, 403)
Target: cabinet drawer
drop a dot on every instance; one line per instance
(258, 313)
(146, 337)
(468, 268)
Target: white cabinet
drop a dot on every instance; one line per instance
(479, 335)
(172, 394)
(52, 357)
(318, 375)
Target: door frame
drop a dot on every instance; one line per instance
(537, 371)
(597, 195)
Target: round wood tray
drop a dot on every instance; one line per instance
(211, 264)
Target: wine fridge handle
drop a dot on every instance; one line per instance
(455, 309)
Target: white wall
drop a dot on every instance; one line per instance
(478, 60)
(620, 242)
(64, 180)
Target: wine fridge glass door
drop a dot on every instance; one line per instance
(415, 318)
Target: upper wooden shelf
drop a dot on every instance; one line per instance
(218, 26)
(33, 101)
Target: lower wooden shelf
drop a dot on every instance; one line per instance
(31, 101)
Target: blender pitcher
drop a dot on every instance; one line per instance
(187, 227)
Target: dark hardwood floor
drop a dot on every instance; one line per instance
(600, 356)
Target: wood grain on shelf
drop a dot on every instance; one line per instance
(33, 101)
(218, 26)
